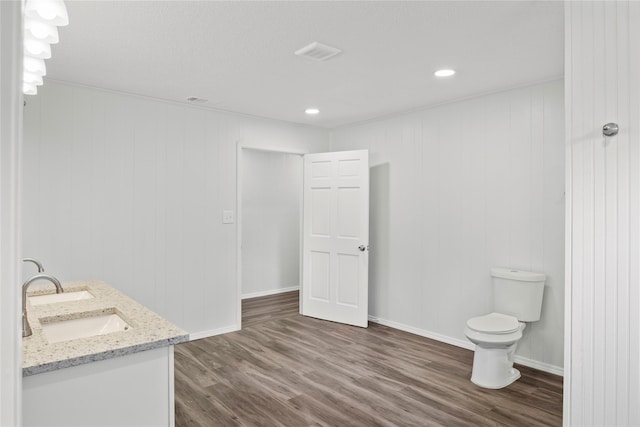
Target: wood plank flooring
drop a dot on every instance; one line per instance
(284, 369)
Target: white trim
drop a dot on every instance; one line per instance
(444, 103)
(301, 235)
(424, 333)
(463, 344)
(541, 366)
(239, 147)
(568, 214)
(172, 388)
(11, 110)
(213, 332)
(185, 103)
(270, 292)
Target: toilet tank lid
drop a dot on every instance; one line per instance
(521, 275)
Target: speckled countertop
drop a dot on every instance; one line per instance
(147, 330)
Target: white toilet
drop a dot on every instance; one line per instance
(517, 298)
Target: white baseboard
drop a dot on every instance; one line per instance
(213, 332)
(541, 366)
(423, 333)
(270, 292)
(401, 326)
(464, 344)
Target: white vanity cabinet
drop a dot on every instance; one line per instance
(116, 378)
(131, 390)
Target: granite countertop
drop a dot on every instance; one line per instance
(147, 329)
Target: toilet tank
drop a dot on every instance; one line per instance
(518, 293)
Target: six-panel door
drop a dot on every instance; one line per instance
(336, 236)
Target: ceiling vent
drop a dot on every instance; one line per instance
(318, 51)
(196, 100)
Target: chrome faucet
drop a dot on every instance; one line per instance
(36, 262)
(26, 329)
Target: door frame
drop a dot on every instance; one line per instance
(239, 186)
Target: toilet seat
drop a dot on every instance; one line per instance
(494, 323)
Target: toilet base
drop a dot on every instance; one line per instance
(493, 367)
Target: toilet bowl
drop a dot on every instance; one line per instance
(496, 337)
(517, 298)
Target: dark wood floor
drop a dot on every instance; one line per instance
(284, 369)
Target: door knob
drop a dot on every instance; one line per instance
(362, 248)
(610, 129)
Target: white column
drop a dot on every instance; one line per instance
(10, 152)
(602, 68)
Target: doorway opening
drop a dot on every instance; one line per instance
(320, 202)
(269, 224)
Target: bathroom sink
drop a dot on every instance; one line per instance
(63, 297)
(67, 330)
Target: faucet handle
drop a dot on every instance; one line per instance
(36, 262)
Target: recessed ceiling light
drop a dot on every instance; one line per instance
(444, 73)
(312, 111)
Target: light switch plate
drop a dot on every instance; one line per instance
(227, 217)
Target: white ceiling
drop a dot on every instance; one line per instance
(239, 55)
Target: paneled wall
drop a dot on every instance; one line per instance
(602, 69)
(456, 190)
(271, 197)
(131, 191)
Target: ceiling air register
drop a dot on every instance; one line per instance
(318, 51)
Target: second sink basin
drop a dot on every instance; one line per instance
(67, 330)
(63, 297)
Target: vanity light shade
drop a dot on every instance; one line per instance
(41, 31)
(53, 12)
(36, 48)
(32, 78)
(34, 65)
(29, 89)
(41, 21)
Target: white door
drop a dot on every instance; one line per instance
(335, 255)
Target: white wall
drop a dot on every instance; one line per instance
(271, 197)
(10, 226)
(603, 341)
(456, 190)
(131, 190)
